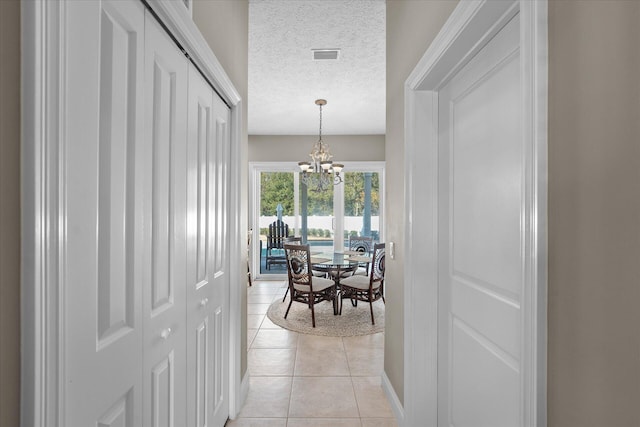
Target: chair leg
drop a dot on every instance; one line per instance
(371, 308)
(285, 294)
(287, 313)
(313, 314)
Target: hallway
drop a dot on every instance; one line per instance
(306, 380)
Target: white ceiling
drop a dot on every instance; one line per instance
(285, 81)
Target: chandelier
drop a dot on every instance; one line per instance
(321, 173)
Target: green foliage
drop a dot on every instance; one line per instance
(354, 193)
(276, 187)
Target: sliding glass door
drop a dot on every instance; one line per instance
(362, 205)
(324, 219)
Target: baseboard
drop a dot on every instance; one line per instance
(396, 406)
(244, 390)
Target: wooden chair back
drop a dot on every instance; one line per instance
(278, 231)
(361, 244)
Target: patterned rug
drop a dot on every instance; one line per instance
(353, 321)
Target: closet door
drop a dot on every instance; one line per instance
(201, 322)
(207, 261)
(220, 263)
(101, 317)
(164, 281)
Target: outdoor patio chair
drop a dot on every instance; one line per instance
(278, 231)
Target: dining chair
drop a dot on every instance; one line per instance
(363, 245)
(303, 286)
(293, 240)
(366, 288)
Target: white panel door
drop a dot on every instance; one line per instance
(164, 281)
(219, 305)
(481, 238)
(207, 338)
(101, 322)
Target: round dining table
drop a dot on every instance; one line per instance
(335, 265)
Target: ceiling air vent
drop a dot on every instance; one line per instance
(320, 54)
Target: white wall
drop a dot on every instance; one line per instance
(9, 212)
(295, 148)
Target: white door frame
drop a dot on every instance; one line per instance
(468, 29)
(43, 219)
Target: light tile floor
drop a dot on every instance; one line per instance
(300, 380)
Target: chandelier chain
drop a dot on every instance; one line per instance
(320, 132)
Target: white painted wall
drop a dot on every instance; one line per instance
(295, 148)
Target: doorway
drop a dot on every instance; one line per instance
(439, 160)
(324, 220)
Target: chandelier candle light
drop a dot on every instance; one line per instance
(321, 173)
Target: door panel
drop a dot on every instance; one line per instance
(481, 238)
(207, 270)
(119, 415)
(200, 196)
(163, 391)
(164, 306)
(219, 306)
(102, 327)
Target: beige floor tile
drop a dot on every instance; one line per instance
(254, 320)
(268, 398)
(271, 361)
(364, 341)
(265, 291)
(275, 284)
(268, 324)
(257, 422)
(379, 422)
(275, 338)
(313, 362)
(320, 343)
(365, 362)
(257, 308)
(261, 298)
(323, 422)
(322, 397)
(372, 401)
(251, 334)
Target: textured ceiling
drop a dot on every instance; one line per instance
(285, 81)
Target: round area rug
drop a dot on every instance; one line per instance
(353, 321)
